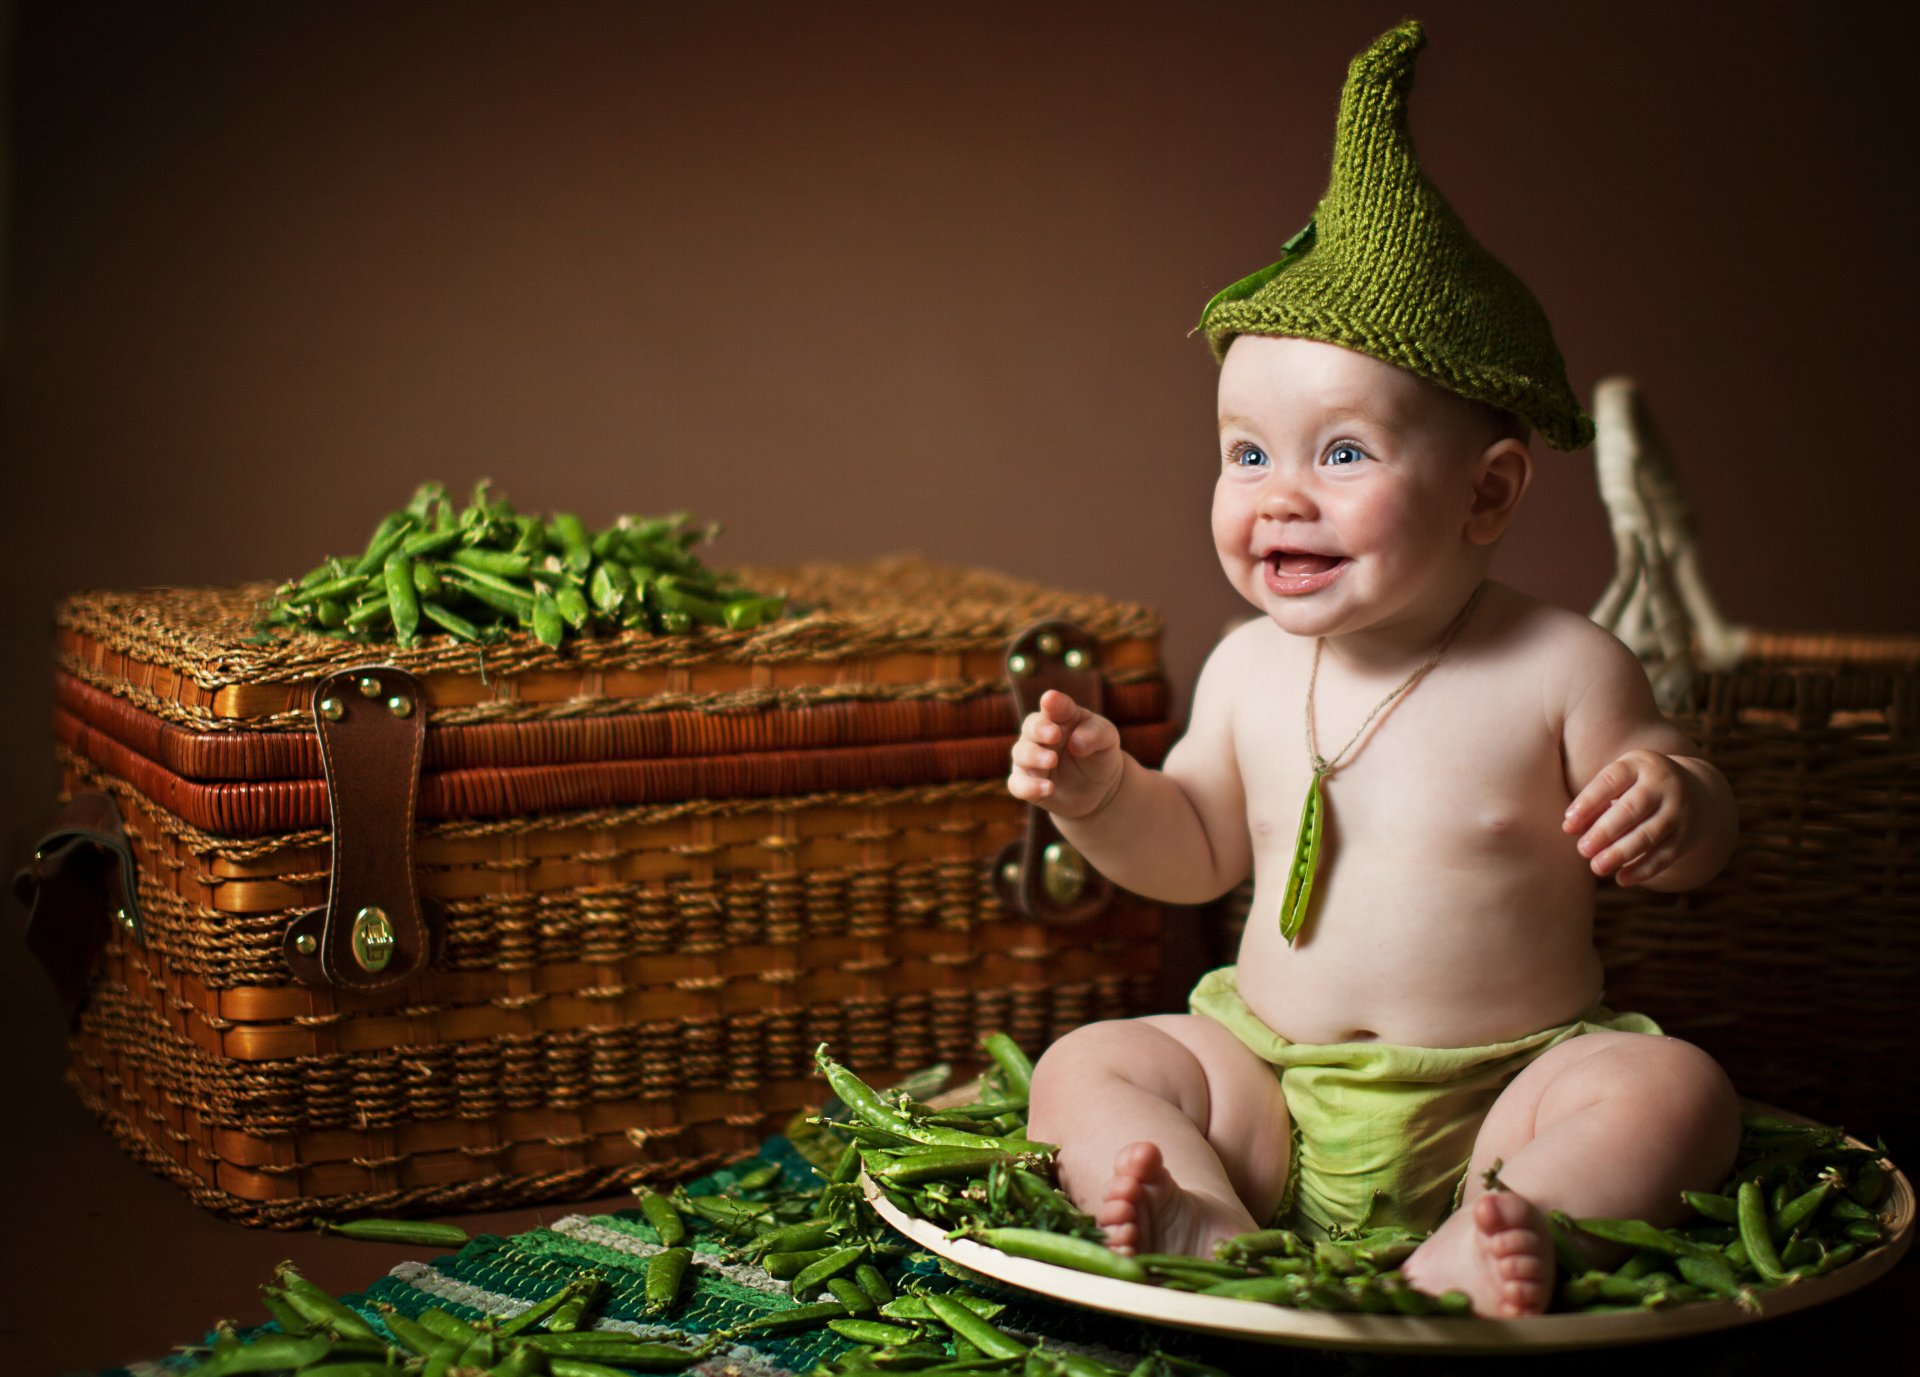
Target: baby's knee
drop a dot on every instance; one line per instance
(1687, 1095)
(1129, 1048)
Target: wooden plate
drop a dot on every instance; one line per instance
(1262, 1323)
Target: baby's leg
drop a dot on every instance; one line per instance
(1172, 1133)
(1609, 1124)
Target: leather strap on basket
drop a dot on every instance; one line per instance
(1042, 877)
(373, 932)
(80, 881)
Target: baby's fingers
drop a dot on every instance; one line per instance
(1031, 755)
(1093, 734)
(1601, 791)
(1644, 868)
(1634, 827)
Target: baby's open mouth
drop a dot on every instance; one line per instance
(1299, 564)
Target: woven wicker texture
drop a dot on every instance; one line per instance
(1799, 966)
(580, 1104)
(196, 648)
(660, 870)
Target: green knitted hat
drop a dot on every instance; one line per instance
(1385, 268)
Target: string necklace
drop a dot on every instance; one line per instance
(1306, 846)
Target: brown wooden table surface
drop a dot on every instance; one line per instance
(113, 1265)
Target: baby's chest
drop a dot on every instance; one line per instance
(1484, 780)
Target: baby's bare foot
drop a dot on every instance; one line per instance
(1498, 1252)
(1143, 1209)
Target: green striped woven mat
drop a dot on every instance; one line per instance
(496, 1275)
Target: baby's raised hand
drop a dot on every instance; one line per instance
(1636, 817)
(1068, 760)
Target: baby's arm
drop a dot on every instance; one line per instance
(1646, 810)
(1177, 834)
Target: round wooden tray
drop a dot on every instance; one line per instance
(1261, 1323)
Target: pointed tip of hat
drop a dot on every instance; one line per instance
(1392, 53)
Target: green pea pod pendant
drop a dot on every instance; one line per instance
(1306, 860)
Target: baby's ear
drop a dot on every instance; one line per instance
(1501, 476)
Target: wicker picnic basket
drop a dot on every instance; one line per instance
(650, 874)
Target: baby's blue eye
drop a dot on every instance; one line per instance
(1343, 454)
(1248, 456)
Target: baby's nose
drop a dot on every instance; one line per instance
(1283, 496)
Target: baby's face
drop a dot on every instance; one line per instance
(1345, 487)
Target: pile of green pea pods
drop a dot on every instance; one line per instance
(1801, 1202)
(486, 572)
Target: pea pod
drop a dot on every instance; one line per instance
(610, 586)
(1015, 1067)
(348, 586)
(1836, 1257)
(368, 613)
(850, 1294)
(320, 1307)
(500, 564)
(914, 1306)
(1869, 1185)
(799, 1317)
(548, 625)
(496, 593)
(1710, 1274)
(1258, 1243)
(1719, 1208)
(572, 604)
(936, 1163)
(1799, 1208)
(586, 1290)
(420, 1231)
(586, 1367)
(447, 1325)
(665, 1273)
(428, 543)
(426, 580)
(329, 613)
(412, 1335)
(785, 1266)
(571, 536)
(1274, 1290)
(1063, 1250)
(1637, 1233)
(291, 1321)
(734, 1216)
(806, 1236)
(521, 1321)
(1755, 1234)
(873, 1332)
(873, 1283)
(452, 623)
(522, 1360)
(626, 1350)
(982, 1334)
(858, 1096)
(815, 1273)
(667, 1222)
(385, 541)
(267, 1353)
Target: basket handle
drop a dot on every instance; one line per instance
(1042, 877)
(1658, 602)
(80, 881)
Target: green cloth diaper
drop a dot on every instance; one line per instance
(1382, 1133)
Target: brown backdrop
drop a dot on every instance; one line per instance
(863, 278)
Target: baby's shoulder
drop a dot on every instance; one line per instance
(1565, 648)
